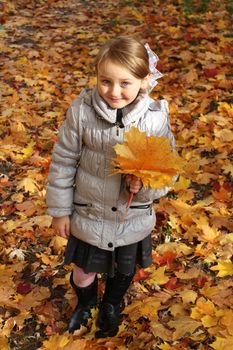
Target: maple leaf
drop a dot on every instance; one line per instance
(58, 243)
(158, 276)
(140, 275)
(224, 267)
(25, 152)
(182, 184)
(188, 296)
(28, 184)
(57, 342)
(166, 346)
(160, 331)
(33, 298)
(4, 343)
(223, 343)
(184, 325)
(173, 284)
(193, 272)
(210, 72)
(147, 307)
(150, 158)
(176, 247)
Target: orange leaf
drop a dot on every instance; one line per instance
(140, 275)
(150, 158)
(172, 284)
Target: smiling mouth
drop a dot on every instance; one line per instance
(115, 99)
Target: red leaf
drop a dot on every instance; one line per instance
(216, 186)
(140, 275)
(210, 72)
(173, 284)
(24, 288)
(166, 258)
(228, 186)
(201, 281)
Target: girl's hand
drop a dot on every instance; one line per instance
(62, 226)
(134, 183)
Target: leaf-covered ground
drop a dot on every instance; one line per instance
(47, 48)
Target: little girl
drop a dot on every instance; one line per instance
(86, 202)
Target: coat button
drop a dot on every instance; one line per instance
(114, 209)
(110, 245)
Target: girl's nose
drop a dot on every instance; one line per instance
(115, 90)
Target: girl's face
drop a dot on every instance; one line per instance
(116, 85)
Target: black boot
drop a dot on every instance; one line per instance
(109, 316)
(87, 298)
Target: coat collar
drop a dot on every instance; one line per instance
(131, 113)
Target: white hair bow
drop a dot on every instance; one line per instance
(154, 73)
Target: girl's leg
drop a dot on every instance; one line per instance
(82, 279)
(109, 315)
(85, 286)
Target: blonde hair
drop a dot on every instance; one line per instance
(127, 52)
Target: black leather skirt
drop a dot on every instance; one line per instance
(124, 259)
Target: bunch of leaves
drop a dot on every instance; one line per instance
(150, 158)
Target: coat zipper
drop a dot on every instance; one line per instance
(117, 128)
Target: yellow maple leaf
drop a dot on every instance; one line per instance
(158, 276)
(147, 307)
(166, 346)
(183, 325)
(28, 184)
(224, 267)
(227, 320)
(182, 184)
(223, 343)
(188, 296)
(191, 273)
(57, 342)
(209, 233)
(75, 344)
(225, 107)
(150, 158)
(58, 243)
(202, 309)
(48, 260)
(178, 247)
(209, 321)
(160, 331)
(33, 298)
(4, 343)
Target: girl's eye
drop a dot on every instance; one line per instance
(124, 83)
(105, 82)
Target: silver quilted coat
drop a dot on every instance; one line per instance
(80, 183)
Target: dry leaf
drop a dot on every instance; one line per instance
(223, 343)
(150, 158)
(184, 326)
(225, 268)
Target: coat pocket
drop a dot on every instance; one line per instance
(85, 210)
(88, 205)
(143, 206)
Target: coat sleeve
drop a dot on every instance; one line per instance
(150, 194)
(65, 158)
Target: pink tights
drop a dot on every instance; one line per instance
(82, 279)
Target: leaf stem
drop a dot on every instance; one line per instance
(129, 201)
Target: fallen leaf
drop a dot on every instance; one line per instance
(225, 268)
(223, 343)
(184, 326)
(158, 276)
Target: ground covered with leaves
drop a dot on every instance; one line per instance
(47, 48)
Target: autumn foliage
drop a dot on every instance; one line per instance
(148, 157)
(47, 49)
